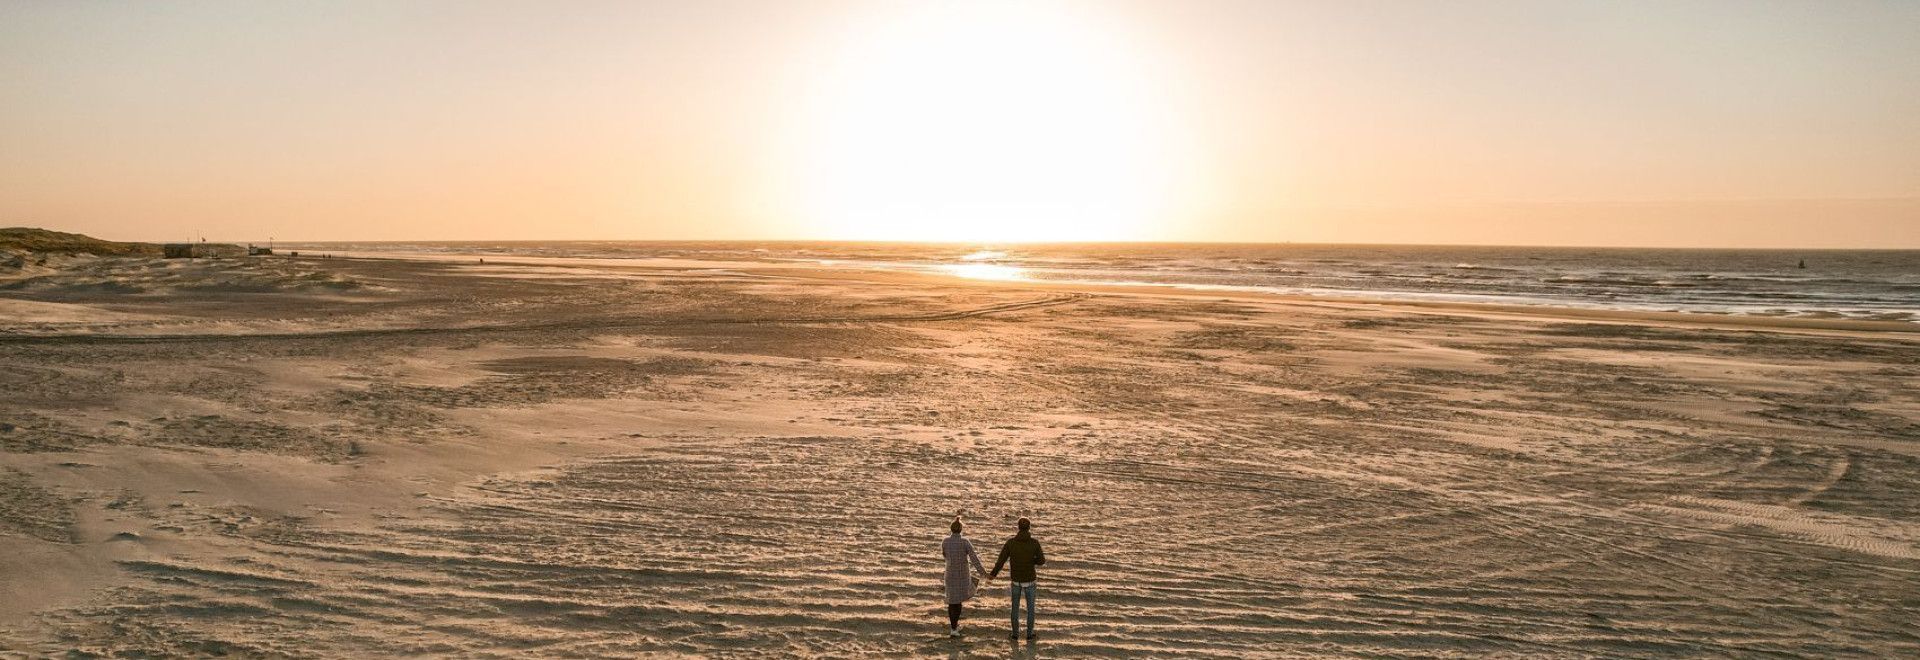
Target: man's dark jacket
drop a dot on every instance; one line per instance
(1025, 554)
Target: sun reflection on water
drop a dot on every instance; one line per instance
(978, 271)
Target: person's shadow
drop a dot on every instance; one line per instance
(1015, 651)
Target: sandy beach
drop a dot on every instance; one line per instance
(358, 458)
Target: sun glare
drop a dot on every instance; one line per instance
(986, 121)
(977, 271)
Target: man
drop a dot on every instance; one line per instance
(1024, 552)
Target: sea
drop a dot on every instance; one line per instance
(1880, 285)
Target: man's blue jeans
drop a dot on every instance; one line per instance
(1017, 589)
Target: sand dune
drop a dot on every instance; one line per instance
(675, 459)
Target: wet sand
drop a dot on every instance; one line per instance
(356, 458)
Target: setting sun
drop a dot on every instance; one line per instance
(990, 121)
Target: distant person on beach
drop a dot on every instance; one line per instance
(960, 583)
(1023, 551)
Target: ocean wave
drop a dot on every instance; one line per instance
(1501, 269)
(1865, 284)
(1614, 281)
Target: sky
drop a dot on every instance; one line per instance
(1687, 123)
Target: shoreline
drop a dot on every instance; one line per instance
(863, 274)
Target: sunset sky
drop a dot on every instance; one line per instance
(1664, 122)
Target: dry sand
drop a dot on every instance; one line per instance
(358, 458)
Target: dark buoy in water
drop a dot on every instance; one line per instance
(1803, 264)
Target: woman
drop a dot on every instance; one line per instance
(960, 583)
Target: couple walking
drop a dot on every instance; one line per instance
(1022, 551)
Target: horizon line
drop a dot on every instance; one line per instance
(981, 243)
(1092, 243)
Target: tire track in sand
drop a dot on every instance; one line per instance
(603, 323)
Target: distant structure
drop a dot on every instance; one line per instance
(200, 250)
(257, 251)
